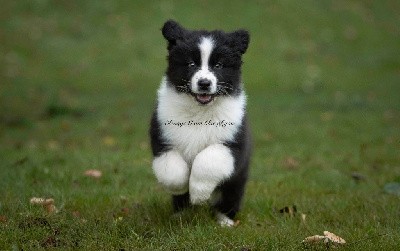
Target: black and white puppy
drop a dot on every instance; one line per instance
(199, 133)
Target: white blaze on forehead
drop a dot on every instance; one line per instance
(206, 47)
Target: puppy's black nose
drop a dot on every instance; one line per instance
(204, 84)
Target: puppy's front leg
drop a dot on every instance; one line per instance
(210, 167)
(172, 172)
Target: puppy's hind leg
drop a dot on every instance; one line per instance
(229, 203)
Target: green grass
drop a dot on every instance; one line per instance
(78, 84)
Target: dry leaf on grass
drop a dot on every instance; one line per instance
(109, 141)
(334, 238)
(327, 116)
(125, 210)
(290, 163)
(93, 173)
(3, 219)
(314, 239)
(289, 210)
(303, 218)
(53, 145)
(357, 176)
(41, 201)
(48, 204)
(327, 238)
(76, 214)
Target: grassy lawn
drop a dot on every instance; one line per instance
(78, 82)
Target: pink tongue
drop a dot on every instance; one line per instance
(203, 98)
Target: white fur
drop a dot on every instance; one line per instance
(172, 172)
(210, 167)
(206, 46)
(190, 140)
(224, 220)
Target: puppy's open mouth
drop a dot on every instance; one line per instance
(204, 98)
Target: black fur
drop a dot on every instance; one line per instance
(232, 190)
(158, 145)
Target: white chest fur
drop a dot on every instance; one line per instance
(190, 127)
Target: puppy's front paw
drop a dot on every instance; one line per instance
(210, 167)
(172, 172)
(199, 192)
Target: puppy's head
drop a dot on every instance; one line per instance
(204, 64)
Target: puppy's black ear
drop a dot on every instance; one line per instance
(240, 40)
(172, 31)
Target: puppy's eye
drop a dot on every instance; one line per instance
(192, 64)
(218, 66)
